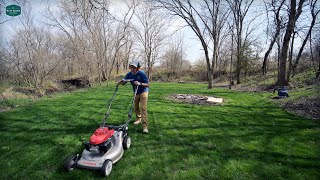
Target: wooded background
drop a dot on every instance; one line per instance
(87, 38)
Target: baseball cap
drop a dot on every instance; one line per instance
(135, 64)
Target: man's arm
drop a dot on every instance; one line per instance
(137, 83)
(145, 81)
(122, 80)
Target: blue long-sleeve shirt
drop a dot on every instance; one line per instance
(141, 77)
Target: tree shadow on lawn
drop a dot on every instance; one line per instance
(178, 149)
(202, 140)
(266, 139)
(40, 137)
(40, 148)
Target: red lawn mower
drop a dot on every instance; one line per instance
(106, 145)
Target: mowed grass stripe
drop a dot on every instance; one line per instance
(248, 137)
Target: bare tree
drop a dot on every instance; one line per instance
(239, 10)
(231, 56)
(122, 36)
(294, 13)
(97, 22)
(3, 66)
(124, 55)
(94, 34)
(214, 17)
(108, 33)
(314, 13)
(33, 52)
(187, 10)
(275, 7)
(150, 32)
(173, 58)
(315, 55)
(75, 46)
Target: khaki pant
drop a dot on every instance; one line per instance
(140, 108)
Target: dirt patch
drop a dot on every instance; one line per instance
(19, 92)
(308, 107)
(11, 93)
(2, 109)
(196, 99)
(79, 82)
(254, 88)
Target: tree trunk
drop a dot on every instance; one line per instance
(278, 59)
(275, 37)
(265, 59)
(314, 15)
(231, 83)
(239, 49)
(238, 68)
(209, 68)
(285, 45)
(318, 72)
(293, 16)
(149, 73)
(290, 58)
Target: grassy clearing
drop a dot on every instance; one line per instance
(248, 137)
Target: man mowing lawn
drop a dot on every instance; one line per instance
(140, 104)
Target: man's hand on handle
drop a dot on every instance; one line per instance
(137, 83)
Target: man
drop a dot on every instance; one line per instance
(141, 80)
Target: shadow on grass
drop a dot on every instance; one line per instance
(256, 140)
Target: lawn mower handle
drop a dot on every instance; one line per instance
(130, 112)
(127, 80)
(114, 94)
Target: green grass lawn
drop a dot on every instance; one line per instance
(248, 137)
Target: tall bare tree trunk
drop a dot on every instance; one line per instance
(278, 24)
(231, 58)
(293, 16)
(318, 72)
(278, 58)
(290, 58)
(239, 9)
(313, 22)
(186, 10)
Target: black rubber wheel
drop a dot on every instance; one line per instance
(106, 167)
(126, 142)
(70, 163)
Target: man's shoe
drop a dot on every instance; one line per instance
(145, 131)
(137, 122)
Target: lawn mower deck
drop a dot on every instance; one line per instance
(105, 147)
(93, 156)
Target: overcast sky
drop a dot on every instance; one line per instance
(38, 8)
